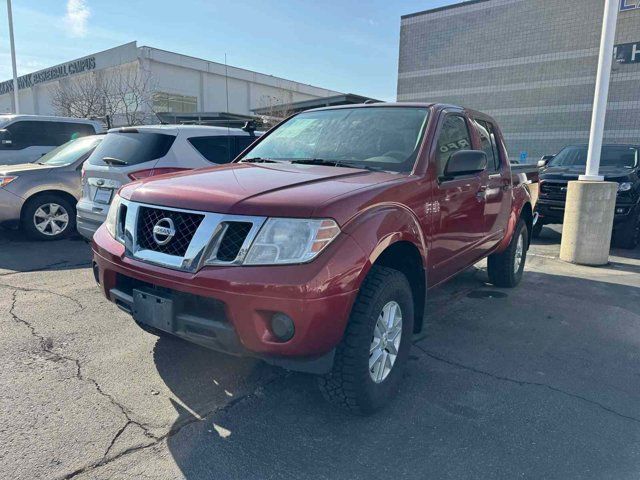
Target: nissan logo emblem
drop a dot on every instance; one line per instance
(163, 231)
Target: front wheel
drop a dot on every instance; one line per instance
(48, 217)
(505, 268)
(369, 361)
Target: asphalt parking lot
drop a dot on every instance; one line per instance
(538, 382)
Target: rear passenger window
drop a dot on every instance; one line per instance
(454, 136)
(215, 149)
(38, 133)
(489, 144)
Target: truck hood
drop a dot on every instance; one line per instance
(292, 190)
(23, 168)
(613, 174)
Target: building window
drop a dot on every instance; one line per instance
(173, 103)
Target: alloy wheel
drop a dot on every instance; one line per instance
(51, 219)
(519, 254)
(385, 344)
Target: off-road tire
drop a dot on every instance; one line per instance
(29, 209)
(349, 385)
(627, 236)
(501, 266)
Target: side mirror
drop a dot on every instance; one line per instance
(544, 160)
(465, 162)
(5, 138)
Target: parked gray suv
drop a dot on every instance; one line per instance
(41, 197)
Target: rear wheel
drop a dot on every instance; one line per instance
(48, 217)
(505, 268)
(370, 359)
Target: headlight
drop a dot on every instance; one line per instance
(291, 240)
(111, 223)
(624, 187)
(6, 180)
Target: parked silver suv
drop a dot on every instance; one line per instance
(132, 153)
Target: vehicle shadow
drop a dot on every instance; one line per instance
(18, 253)
(451, 418)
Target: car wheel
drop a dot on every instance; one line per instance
(505, 268)
(48, 217)
(370, 360)
(628, 235)
(537, 229)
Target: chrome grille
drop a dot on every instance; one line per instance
(199, 238)
(185, 223)
(552, 190)
(234, 236)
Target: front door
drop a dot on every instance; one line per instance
(458, 230)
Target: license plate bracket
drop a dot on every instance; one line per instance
(103, 195)
(154, 310)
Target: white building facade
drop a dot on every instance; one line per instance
(180, 83)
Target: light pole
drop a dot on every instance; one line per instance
(590, 204)
(13, 59)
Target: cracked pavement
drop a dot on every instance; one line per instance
(538, 382)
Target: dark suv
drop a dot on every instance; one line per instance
(618, 163)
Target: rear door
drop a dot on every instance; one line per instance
(498, 183)
(122, 157)
(459, 229)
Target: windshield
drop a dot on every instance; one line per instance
(132, 148)
(71, 151)
(387, 138)
(612, 156)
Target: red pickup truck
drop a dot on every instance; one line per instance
(314, 250)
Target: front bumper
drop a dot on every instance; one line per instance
(10, 208)
(317, 296)
(552, 212)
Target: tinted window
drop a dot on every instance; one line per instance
(70, 152)
(611, 156)
(132, 147)
(489, 144)
(37, 133)
(382, 137)
(454, 136)
(215, 149)
(244, 142)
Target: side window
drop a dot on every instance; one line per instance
(454, 136)
(19, 135)
(38, 133)
(486, 128)
(215, 149)
(244, 142)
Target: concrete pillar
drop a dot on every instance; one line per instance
(588, 222)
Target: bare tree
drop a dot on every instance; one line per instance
(129, 94)
(81, 97)
(275, 108)
(124, 94)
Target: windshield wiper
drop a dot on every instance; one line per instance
(258, 160)
(114, 161)
(336, 163)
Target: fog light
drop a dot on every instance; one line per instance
(282, 326)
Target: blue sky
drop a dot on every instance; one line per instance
(349, 45)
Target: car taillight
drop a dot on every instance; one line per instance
(152, 172)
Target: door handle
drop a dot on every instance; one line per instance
(482, 193)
